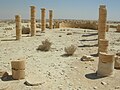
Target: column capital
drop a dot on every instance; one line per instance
(32, 6)
(17, 16)
(102, 6)
(50, 10)
(42, 8)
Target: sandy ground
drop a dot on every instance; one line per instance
(52, 69)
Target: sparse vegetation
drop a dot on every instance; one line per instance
(70, 50)
(46, 45)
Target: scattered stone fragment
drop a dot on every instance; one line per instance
(103, 83)
(118, 54)
(117, 87)
(29, 83)
(60, 35)
(87, 58)
(69, 33)
(94, 87)
(34, 81)
(49, 74)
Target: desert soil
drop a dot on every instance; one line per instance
(52, 69)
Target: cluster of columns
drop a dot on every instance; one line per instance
(106, 61)
(33, 22)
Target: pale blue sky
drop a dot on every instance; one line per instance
(63, 9)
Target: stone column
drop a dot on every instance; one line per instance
(103, 45)
(18, 27)
(102, 22)
(33, 21)
(43, 20)
(18, 69)
(50, 19)
(105, 65)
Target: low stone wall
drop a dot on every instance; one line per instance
(76, 24)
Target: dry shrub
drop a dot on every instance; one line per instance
(46, 45)
(70, 50)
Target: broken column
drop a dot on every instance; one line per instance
(103, 45)
(50, 19)
(33, 21)
(18, 27)
(18, 69)
(43, 21)
(105, 65)
(102, 22)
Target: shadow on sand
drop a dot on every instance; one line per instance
(7, 78)
(65, 55)
(92, 76)
(90, 35)
(96, 45)
(8, 40)
(94, 55)
(89, 40)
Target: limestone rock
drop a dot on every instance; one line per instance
(118, 54)
(103, 83)
(69, 33)
(34, 81)
(117, 62)
(87, 58)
